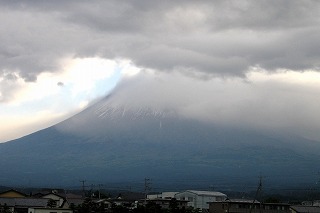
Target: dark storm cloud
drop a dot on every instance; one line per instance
(224, 37)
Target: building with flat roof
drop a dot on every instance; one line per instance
(247, 206)
(200, 199)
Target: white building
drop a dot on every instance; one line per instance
(163, 195)
(200, 199)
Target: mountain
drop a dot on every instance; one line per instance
(111, 142)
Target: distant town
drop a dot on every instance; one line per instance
(51, 200)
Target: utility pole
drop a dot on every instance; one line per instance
(147, 187)
(259, 189)
(99, 187)
(83, 187)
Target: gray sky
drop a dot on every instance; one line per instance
(262, 57)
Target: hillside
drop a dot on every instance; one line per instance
(112, 143)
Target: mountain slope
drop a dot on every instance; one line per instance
(109, 142)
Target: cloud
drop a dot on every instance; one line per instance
(201, 40)
(217, 37)
(46, 102)
(286, 101)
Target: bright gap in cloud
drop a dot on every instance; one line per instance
(57, 95)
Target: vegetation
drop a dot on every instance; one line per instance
(4, 208)
(89, 206)
(52, 203)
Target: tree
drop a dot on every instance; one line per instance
(4, 208)
(51, 203)
(119, 208)
(152, 207)
(173, 206)
(72, 206)
(87, 206)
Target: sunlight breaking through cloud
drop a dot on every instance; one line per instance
(55, 96)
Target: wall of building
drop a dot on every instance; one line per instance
(49, 210)
(59, 200)
(223, 207)
(197, 201)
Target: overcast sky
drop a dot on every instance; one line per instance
(253, 63)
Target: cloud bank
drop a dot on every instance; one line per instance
(216, 41)
(284, 102)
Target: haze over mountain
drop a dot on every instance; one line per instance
(135, 133)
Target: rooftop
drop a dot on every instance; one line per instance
(309, 209)
(207, 193)
(25, 202)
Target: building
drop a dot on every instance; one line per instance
(31, 205)
(12, 194)
(163, 195)
(165, 203)
(200, 199)
(21, 205)
(49, 210)
(246, 206)
(304, 209)
(59, 200)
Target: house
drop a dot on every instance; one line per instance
(58, 199)
(21, 205)
(12, 194)
(121, 202)
(165, 203)
(304, 209)
(200, 199)
(104, 202)
(73, 202)
(31, 205)
(243, 206)
(311, 203)
(316, 203)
